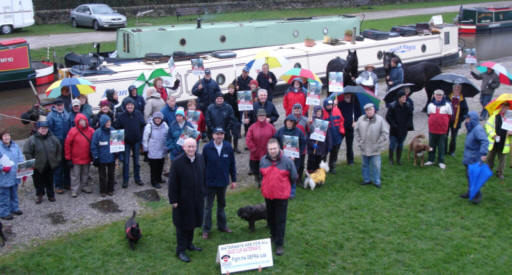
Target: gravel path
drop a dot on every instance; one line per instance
(49, 220)
(54, 40)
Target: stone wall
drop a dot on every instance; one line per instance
(62, 15)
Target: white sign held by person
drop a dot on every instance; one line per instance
(116, 141)
(243, 256)
(335, 81)
(25, 168)
(507, 121)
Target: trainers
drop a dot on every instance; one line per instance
(74, 195)
(442, 165)
(428, 163)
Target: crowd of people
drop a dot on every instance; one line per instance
(72, 137)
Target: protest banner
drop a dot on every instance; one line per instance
(335, 82)
(244, 100)
(291, 146)
(193, 117)
(245, 256)
(188, 132)
(197, 66)
(319, 130)
(116, 141)
(314, 91)
(25, 168)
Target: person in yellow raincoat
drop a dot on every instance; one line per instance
(499, 139)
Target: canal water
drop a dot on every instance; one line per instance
(16, 100)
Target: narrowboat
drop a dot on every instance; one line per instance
(479, 19)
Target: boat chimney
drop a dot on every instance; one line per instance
(354, 36)
(199, 22)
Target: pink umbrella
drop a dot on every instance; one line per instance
(500, 70)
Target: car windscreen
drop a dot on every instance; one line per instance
(101, 10)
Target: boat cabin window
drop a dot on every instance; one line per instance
(446, 38)
(126, 42)
(502, 16)
(221, 79)
(468, 16)
(484, 17)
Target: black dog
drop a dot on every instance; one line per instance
(252, 213)
(132, 231)
(4, 239)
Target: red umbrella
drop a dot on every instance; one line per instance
(500, 70)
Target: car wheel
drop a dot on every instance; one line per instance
(6, 29)
(95, 25)
(74, 23)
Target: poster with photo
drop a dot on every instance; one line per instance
(291, 146)
(197, 66)
(244, 100)
(507, 121)
(25, 168)
(314, 92)
(193, 117)
(188, 132)
(116, 141)
(319, 130)
(336, 82)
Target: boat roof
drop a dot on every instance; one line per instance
(489, 9)
(220, 25)
(13, 42)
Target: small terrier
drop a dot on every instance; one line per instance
(317, 177)
(132, 230)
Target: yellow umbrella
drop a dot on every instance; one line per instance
(495, 105)
(272, 59)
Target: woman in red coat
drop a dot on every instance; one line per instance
(78, 155)
(256, 139)
(295, 94)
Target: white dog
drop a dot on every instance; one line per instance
(317, 177)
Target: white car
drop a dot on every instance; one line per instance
(97, 16)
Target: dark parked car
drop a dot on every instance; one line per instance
(97, 16)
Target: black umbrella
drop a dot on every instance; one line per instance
(445, 82)
(391, 94)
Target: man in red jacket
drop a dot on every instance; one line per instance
(439, 113)
(256, 139)
(77, 154)
(278, 174)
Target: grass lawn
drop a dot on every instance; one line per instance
(239, 16)
(415, 224)
(380, 24)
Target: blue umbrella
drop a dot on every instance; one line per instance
(479, 173)
(362, 96)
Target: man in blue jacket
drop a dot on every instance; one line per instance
(219, 158)
(205, 89)
(132, 121)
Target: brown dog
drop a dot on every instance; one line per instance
(419, 148)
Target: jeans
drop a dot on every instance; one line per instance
(437, 142)
(276, 219)
(79, 176)
(8, 200)
(396, 142)
(128, 148)
(43, 181)
(371, 169)
(211, 192)
(484, 100)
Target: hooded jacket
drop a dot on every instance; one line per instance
(86, 110)
(207, 94)
(493, 128)
(154, 139)
(173, 136)
(46, 150)
(396, 74)
(294, 131)
(78, 142)
(315, 147)
(154, 103)
(95, 124)
(439, 114)
(277, 177)
(219, 168)
(100, 145)
(219, 116)
(371, 134)
(476, 144)
(242, 83)
(109, 94)
(139, 102)
(59, 123)
(13, 153)
(232, 100)
(293, 96)
(132, 123)
(302, 121)
(257, 137)
(336, 123)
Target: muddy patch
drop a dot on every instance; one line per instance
(148, 195)
(56, 217)
(106, 206)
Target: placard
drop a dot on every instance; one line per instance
(25, 168)
(244, 100)
(314, 91)
(193, 117)
(188, 132)
(291, 146)
(245, 256)
(319, 130)
(335, 81)
(116, 141)
(197, 66)
(507, 121)
(470, 59)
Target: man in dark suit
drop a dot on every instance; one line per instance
(186, 195)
